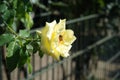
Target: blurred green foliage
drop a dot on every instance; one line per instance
(15, 24)
(17, 17)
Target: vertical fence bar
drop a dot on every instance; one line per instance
(71, 70)
(47, 71)
(40, 67)
(33, 63)
(0, 63)
(53, 71)
(58, 73)
(18, 75)
(8, 74)
(66, 70)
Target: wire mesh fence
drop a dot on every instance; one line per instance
(88, 60)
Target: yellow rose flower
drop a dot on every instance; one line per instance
(56, 40)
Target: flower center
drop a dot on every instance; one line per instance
(60, 38)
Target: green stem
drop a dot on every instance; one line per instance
(13, 32)
(10, 29)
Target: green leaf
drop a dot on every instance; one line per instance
(24, 33)
(12, 61)
(29, 7)
(11, 48)
(36, 47)
(41, 53)
(23, 57)
(28, 21)
(29, 65)
(3, 7)
(29, 48)
(22, 61)
(101, 3)
(15, 3)
(6, 15)
(5, 38)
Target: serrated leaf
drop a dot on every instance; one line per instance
(5, 38)
(24, 33)
(11, 48)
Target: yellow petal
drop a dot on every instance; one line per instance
(55, 55)
(68, 37)
(44, 40)
(60, 26)
(64, 50)
(56, 40)
(50, 28)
